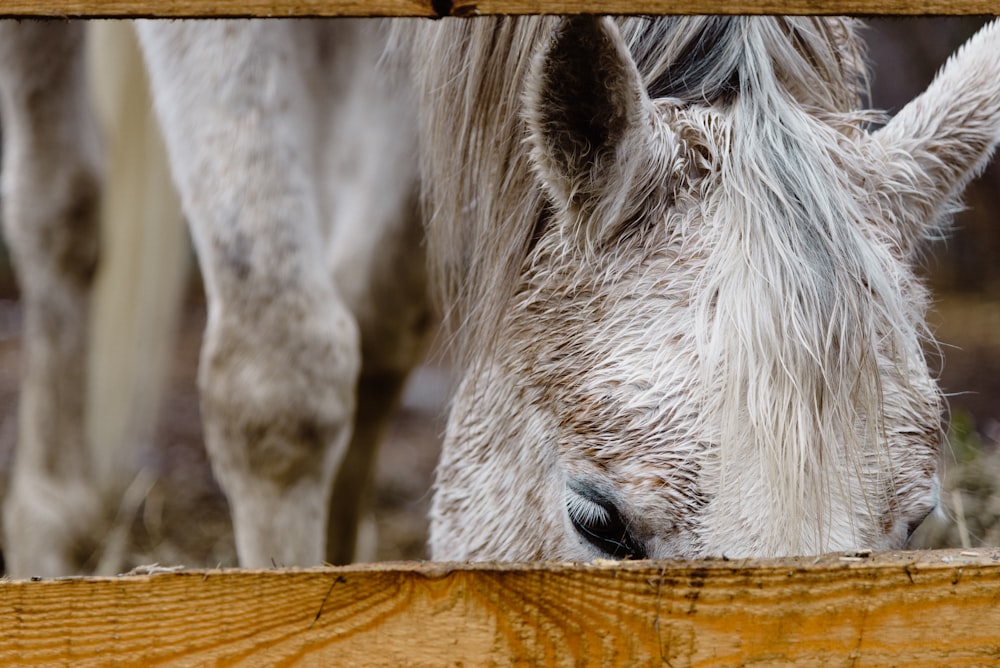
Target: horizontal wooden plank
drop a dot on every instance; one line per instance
(436, 8)
(914, 609)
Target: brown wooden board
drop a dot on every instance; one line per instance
(434, 8)
(903, 609)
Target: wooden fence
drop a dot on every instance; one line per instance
(938, 608)
(438, 8)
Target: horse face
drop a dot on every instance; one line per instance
(716, 344)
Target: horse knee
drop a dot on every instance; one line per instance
(278, 402)
(52, 228)
(51, 178)
(283, 380)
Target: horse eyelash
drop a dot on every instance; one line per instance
(585, 511)
(600, 523)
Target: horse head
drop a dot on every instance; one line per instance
(714, 343)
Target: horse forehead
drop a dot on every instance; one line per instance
(611, 363)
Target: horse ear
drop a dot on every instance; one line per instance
(587, 111)
(943, 138)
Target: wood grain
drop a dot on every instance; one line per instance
(436, 8)
(904, 609)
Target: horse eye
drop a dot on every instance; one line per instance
(600, 523)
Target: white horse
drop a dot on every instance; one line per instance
(679, 263)
(294, 154)
(680, 269)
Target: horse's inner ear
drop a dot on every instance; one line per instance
(585, 98)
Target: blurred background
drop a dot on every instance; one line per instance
(178, 516)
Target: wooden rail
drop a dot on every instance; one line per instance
(438, 8)
(904, 609)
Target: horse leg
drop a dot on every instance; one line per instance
(51, 200)
(281, 352)
(375, 246)
(387, 292)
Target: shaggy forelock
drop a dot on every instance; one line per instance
(798, 302)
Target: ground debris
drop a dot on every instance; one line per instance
(153, 569)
